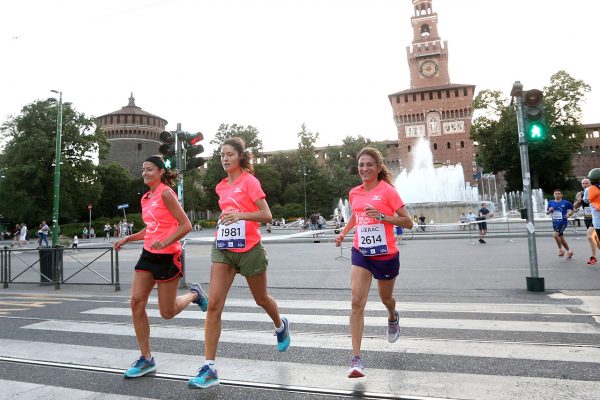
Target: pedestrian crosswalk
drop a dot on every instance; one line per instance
(450, 350)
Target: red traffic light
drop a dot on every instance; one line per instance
(196, 138)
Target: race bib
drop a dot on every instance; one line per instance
(372, 240)
(587, 212)
(557, 214)
(232, 236)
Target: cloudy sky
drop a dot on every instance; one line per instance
(276, 64)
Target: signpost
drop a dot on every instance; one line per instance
(123, 207)
(89, 207)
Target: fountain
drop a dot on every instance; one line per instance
(439, 193)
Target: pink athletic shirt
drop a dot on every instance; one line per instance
(240, 196)
(384, 198)
(160, 223)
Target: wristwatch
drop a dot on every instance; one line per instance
(381, 217)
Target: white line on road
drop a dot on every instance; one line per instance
(448, 347)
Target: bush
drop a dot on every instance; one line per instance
(208, 223)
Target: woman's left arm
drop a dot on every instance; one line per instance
(400, 218)
(184, 227)
(263, 214)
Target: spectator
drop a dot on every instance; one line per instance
(43, 233)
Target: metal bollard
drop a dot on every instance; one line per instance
(117, 283)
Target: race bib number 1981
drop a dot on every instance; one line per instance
(232, 236)
(372, 240)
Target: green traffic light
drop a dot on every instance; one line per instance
(536, 131)
(168, 163)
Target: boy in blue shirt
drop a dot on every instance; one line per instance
(558, 209)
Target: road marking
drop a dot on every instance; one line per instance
(34, 391)
(467, 348)
(414, 383)
(425, 323)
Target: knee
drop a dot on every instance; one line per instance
(358, 303)
(263, 301)
(137, 304)
(215, 307)
(387, 299)
(167, 313)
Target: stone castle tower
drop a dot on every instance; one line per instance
(133, 136)
(433, 108)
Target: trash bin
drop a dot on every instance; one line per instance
(523, 213)
(50, 261)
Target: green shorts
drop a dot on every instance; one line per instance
(249, 263)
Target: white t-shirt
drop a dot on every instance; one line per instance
(23, 233)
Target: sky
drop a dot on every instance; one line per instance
(276, 64)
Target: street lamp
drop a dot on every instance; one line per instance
(304, 172)
(57, 162)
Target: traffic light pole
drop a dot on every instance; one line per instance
(179, 153)
(534, 282)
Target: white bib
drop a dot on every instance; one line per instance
(232, 236)
(587, 212)
(557, 214)
(372, 240)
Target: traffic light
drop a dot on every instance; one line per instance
(167, 148)
(533, 115)
(192, 147)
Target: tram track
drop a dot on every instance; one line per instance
(226, 382)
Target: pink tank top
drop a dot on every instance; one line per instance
(160, 223)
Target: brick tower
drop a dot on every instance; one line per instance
(433, 107)
(133, 136)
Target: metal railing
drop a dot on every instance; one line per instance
(60, 266)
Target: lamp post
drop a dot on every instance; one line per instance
(57, 162)
(304, 172)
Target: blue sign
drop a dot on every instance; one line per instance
(121, 206)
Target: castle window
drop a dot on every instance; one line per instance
(455, 92)
(111, 119)
(414, 97)
(447, 93)
(439, 94)
(406, 98)
(596, 134)
(118, 119)
(435, 146)
(397, 99)
(425, 31)
(462, 144)
(422, 96)
(464, 91)
(139, 146)
(430, 95)
(409, 149)
(448, 145)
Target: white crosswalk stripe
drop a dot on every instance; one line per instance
(319, 325)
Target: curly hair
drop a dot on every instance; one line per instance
(240, 147)
(384, 172)
(169, 176)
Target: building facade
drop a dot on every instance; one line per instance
(589, 155)
(433, 108)
(132, 134)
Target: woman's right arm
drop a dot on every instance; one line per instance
(340, 238)
(131, 238)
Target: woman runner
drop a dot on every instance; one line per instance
(160, 261)
(376, 209)
(238, 249)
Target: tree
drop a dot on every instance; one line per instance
(550, 160)
(28, 157)
(115, 182)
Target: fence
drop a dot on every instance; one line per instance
(60, 266)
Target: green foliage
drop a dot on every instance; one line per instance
(27, 189)
(550, 160)
(117, 187)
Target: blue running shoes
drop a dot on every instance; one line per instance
(202, 299)
(283, 337)
(140, 367)
(206, 378)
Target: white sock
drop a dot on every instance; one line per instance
(280, 329)
(211, 364)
